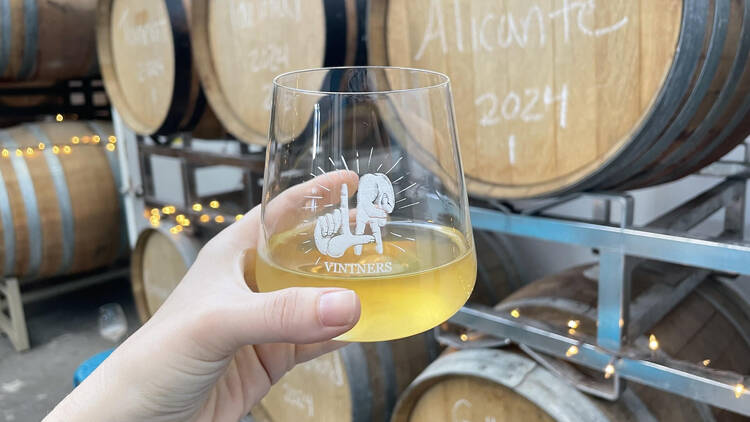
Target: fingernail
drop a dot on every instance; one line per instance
(338, 308)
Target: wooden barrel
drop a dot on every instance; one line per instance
(240, 46)
(500, 386)
(561, 96)
(147, 66)
(711, 324)
(361, 382)
(60, 208)
(46, 40)
(160, 259)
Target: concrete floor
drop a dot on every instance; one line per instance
(63, 332)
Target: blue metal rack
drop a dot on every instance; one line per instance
(621, 246)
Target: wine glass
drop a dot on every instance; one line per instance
(364, 190)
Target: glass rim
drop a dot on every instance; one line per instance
(444, 80)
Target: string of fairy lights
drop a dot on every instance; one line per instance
(179, 221)
(609, 370)
(110, 144)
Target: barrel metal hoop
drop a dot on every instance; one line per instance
(709, 295)
(114, 166)
(183, 59)
(33, 219)
(355, 363)
(684, 65)
(687, 155)
(9, 232)
(31, 38)
(336, 29)
(6, 25)
(388, 369)
(67, 222)
(695, 97)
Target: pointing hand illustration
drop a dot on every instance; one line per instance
(333, 236)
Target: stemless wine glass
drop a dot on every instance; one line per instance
(364, 190)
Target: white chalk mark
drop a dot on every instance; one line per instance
(399, 247)
(356, 152)
(302, 234)
(410, 238)
(306, 241)
(327, 205)
(394, 166)
(313, 175)
(324, 187)
(512, 149)
(310, 207)
(396, 234)
(308, 251)
(344, 161)
(406, 188)
(398, 180)
(409, 205)
(321, 170)
(312, 197)
(369, 159)
(378, 169)
(332, 163)
(402, 199)
(317, 261)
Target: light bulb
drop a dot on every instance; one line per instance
(204, 218)
(197, 207)
(238, 217)
(515, 313)
(739, 390)
(574, 323)
(110, 147)
(219, 219)
(609, 370)
(42, 146)
(29, 151)
(572, 350)
(19, 153)
(464, 337)
(59, 117)
(95, 139)
(214, 204)
(67, 149)
(112, 139)
(5, 153)
(55, 149)
(75, 140)
(653, 344)
(706, 362)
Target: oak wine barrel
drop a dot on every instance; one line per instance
(60, 213)
(563, 96)
(240, 46)
(47, 40)
(159, 261)
(362, 381)
(711, 324)
(148, 68)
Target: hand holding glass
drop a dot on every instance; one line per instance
(364, 190)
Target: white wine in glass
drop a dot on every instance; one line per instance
(364, 190)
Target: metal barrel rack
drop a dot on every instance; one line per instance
(620, 247)
(140, 193)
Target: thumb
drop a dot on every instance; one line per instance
(298, 315)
